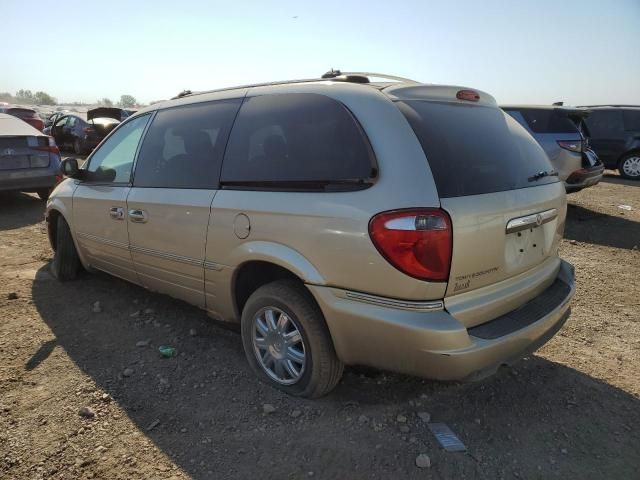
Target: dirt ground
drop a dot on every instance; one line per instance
(570, 411)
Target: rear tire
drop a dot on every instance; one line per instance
(629, 166)
(65, 263)
(321, 369)
(44, 193)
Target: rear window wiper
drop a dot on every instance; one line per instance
(542, 174)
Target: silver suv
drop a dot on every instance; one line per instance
(392, 224)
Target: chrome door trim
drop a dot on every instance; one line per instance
(213, 266)
(531, 221)
(106, 241)
(167, 256)
(153, 253)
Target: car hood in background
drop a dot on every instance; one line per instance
(109, 112)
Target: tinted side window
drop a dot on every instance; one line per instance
(113, 161)
(297, 140)
(605, 123)
(631, 120)
(541, 120)
(183, 147)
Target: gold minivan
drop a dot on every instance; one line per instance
(355, 219)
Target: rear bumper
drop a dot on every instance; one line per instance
(27, 182)
(584, 178)
(424, 340)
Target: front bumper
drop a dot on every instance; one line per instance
(434, 344)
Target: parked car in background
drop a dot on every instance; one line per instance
(26, 114)
(562, 134)
(81, 134)
(615, 136)
(55, 116)
(396, 225)
(29, 160)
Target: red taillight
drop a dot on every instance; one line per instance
(468, 95)
(571, 145)
(88, 130)
(417, 242)
(47, 144)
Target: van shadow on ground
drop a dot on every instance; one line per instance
(539, 418)
(20, 210)
(588, 226)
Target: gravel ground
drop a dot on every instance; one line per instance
(85, 394)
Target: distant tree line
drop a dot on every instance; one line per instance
(126, 101)
(28, 97)
(43, 98)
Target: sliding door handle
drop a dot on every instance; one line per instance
(138, 216)
(117, 213)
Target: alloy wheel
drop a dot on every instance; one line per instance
(278, 346)
(631, 166)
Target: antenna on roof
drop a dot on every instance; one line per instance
(183, 93)
(332, 74)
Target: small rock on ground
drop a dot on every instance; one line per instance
(424, 416)
(296, 413)
(268, 408)
(193, 332)
(423, 461)
(12, 296)
(86, 412)
(127, 372)
(96, 308)
(401, 419)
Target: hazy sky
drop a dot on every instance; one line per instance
(537, 51)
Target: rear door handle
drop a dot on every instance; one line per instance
(138, 216)
(117, 213)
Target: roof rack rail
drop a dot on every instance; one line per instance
(379, 75)
(609, 105)
(353, 77)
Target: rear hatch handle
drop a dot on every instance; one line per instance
(531, 221)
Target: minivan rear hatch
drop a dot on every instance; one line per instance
(507, 207)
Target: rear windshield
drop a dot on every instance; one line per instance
(542, 120)
(474, 149)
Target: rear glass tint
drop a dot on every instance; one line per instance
(542, 120)
(631, 120)
(605, 123)
(296, 138)
(474, 149)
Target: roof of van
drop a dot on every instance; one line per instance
(397, 88)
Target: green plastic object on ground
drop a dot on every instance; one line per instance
(167, 351)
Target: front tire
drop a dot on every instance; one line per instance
(287, 342)
(65, 263)
(629, 166)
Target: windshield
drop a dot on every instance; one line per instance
(475, 149)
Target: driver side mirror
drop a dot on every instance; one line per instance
(69, 167)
